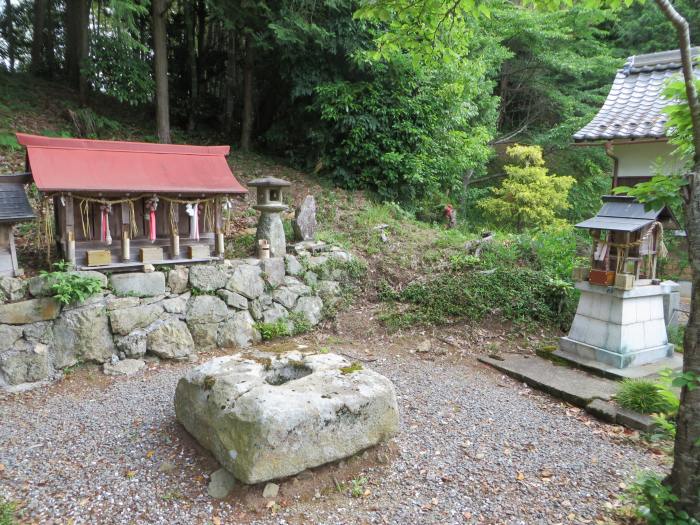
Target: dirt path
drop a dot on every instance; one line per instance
(474, 447)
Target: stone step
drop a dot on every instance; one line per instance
(573, 385)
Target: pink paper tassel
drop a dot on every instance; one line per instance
(152, 226)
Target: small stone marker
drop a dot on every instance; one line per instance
(305, 220)
(220, 484)
(271, 490)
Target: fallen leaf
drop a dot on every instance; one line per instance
(367, 493)
(2, 467)
(216, 520)
(130, 474)
(520, 476)
(83, 502)
(150, 454)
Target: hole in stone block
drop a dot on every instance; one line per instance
(288, 372)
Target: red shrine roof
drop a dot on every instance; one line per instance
(81, 165)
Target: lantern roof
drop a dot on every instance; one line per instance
(269, 181)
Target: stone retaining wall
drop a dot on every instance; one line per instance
(169, 314)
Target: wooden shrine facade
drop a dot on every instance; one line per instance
(118, 205)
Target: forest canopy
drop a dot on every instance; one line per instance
(338, 94)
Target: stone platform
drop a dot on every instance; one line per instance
(618, 328)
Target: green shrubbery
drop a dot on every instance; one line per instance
(517, 294)
(654, 502)
(68, 287)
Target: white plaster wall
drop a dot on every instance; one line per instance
(638, 160)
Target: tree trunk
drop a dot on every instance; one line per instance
(39, 24)
(9, 34)
(76, 24)
(230, 82)
(247, 120)
(83, 49)
(160, 59)
(685, 476)
(190, 36)
(50, 40)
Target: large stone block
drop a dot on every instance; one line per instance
(208, 277)
(238, 331)
(25, 363)
(30, 311)
(12, 289)
(138, 284)
(170, 339)
(247, 281)
(178, 279)
(311, 308)
(273, 270)
(83, 334)
(126, 320)
(9, 335)
(265, 419)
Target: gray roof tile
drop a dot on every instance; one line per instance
(633, 109)
(14, 205)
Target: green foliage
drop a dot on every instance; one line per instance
(679, 124)
(676, 336)
(517, 294)
(660, 191)
(300, 324)
(9, 141)
(269, 331)
(240, 246)
(528, 196)
(401, 133)
(357, 486)
(70, 288)
(643, 395)
(8, 511)
(655, 502)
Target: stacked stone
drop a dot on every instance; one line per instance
(169, 315)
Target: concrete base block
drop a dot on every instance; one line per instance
(570, 348)
(619, 328)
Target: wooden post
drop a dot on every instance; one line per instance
(126, 232)
(218, 228)
(69, 229)
(175, 230)
(13, 253)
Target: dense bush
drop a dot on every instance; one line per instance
(404, 131)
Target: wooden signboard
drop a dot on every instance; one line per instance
(99, 257)
(151, 254)
(198, 251)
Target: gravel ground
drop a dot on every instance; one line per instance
(474, 447)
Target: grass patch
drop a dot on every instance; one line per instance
(8, 512)
(272, 330)
(240, 247)
(645, 396)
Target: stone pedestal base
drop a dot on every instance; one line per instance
(618, 328)
(270, 227)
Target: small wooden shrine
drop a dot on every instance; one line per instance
(14, 208)
(627, 241)
(119, 205)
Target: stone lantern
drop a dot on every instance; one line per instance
(270, 205)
